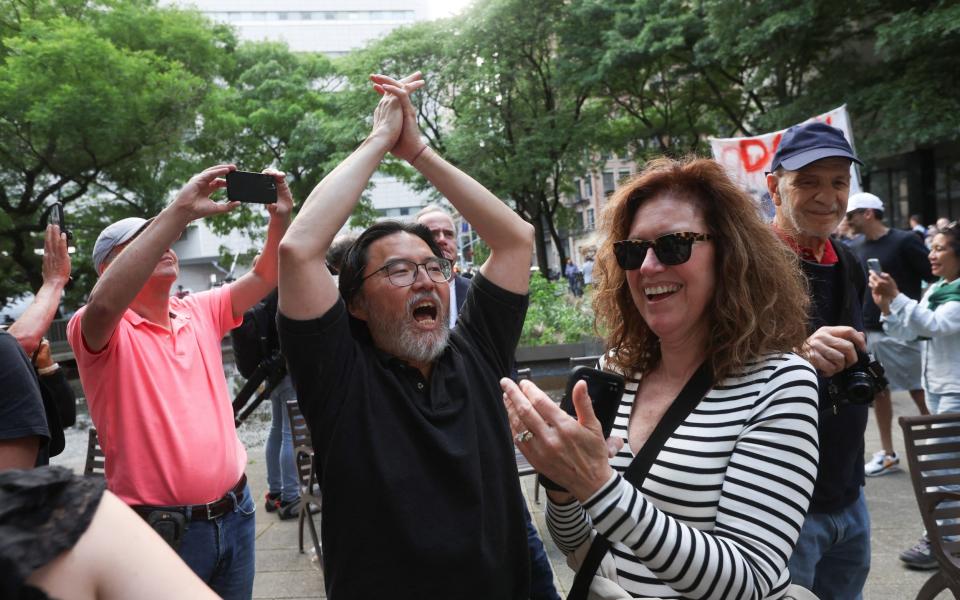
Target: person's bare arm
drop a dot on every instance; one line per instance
(260, 281)
(509, 237)
(30, 328)
(103, 565)
(307, 290)
(19, 453)
(128, 272)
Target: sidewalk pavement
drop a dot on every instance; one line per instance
(284, 573)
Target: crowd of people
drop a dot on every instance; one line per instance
(734, 468)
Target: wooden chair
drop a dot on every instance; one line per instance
(95, 459)
(310, 500)
(932, 445)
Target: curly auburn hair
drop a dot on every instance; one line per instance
(761, 298)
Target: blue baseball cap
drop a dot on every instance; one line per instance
(809, 142)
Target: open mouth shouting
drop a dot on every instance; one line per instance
(655, 293)
(425, 310)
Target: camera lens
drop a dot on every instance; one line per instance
(859, 388)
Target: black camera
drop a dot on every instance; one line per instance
(859, 383)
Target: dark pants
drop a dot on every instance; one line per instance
(541, 575)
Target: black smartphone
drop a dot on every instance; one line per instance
(874, 265)
(56, 218)
(605, 390)
(257, 188)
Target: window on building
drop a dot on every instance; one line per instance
(623, 175)
(589, 221)
(947, 188)
(608, 182)
(588, 187)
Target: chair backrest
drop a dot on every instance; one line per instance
(932, 445)
(95, 460)
(301, 440)
(584, 361)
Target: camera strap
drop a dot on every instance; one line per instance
(688, 399)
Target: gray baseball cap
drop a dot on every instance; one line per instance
(115, 234)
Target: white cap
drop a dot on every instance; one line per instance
(863, 200)
(115, 234)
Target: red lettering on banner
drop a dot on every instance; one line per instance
(776, 142)
(751, 160)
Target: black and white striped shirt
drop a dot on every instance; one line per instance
(720, 511)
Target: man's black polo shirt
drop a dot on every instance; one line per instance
(421, 497)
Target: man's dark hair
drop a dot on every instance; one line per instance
(355, 260)
(337, 252)
(877, 213)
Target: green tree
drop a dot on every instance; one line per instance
(429, 47)
(95, 103)
(504, 101)
(272, 108)
(645, 63)
(525, 116)
(904, 96)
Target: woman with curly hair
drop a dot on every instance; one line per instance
(693, 289)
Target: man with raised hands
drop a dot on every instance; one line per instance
(152, 370)
(421, 497)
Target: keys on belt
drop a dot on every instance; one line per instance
(202, 512)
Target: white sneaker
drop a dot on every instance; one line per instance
(881, 464)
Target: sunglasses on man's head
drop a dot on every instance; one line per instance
(671, 249)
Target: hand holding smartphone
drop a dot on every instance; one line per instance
(605, 390)
(57, 218)
(256, 188)
(874, 265)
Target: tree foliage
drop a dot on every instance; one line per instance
(555, 316)
(94, 98)
(109, 105)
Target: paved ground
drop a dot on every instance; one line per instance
(282, 572)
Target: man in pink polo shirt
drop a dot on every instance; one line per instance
(152, 371)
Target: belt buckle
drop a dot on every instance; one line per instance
(210, 506)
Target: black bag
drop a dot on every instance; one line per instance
(255, 339)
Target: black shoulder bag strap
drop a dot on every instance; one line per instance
(691, 395)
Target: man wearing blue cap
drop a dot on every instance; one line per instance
(809, 183)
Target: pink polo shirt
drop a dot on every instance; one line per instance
(160, 403)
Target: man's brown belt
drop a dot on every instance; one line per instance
(202, 512)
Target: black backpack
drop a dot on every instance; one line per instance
(255, 340)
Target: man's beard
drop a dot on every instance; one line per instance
(401, 338)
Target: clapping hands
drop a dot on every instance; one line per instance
(407, 144)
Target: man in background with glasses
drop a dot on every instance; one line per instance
(810, 186)
(421, 497)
